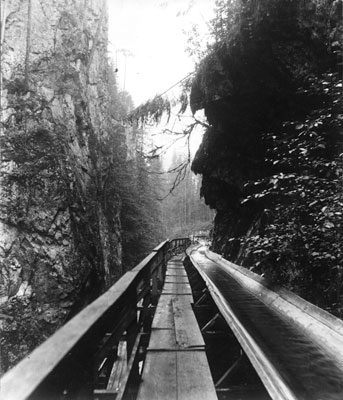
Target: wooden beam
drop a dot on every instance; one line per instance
(118, 368)
(125, 379)
(228, 372)
(202, 298)
(210, 322)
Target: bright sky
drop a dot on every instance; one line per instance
(150, 32)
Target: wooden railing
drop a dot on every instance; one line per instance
(195, 238)
(68, 364)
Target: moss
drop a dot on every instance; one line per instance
(270, 91)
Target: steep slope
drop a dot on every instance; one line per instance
(270, 162)
(60, 241)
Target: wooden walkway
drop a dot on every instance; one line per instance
(176, 365)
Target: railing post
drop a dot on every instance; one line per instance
(160, 270)
(132, 332)
(144, 315)
(154, 287)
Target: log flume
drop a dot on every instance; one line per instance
(296, 348)
(141, 340)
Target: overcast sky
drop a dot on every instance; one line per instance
(151, 34)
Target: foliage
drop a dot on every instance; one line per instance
(120, 103)
(32, 155)
(269, 46)
(237, 22)
(140, 209)
(77, 167)
(151, 111)
(271, 160)
(20, 336)
(183, 212)
(303, 198)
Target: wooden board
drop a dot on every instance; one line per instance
(176, 271)
(177, 288)
(159, 377)
(179, 375)
(176, 366)
(163, 318)
(194, 381)
(119, 367)
(163, 339)
(178, 258)
(175, 265)
(176, 268)
(175, 326)
(187, 331)
(176, 279)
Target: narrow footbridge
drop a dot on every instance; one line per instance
(185, 324)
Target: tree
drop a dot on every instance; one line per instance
(182, 208)
(270, 85)
(140, 211)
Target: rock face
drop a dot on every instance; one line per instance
(270, 160)
(60, 243)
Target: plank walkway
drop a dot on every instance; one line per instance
(176, 365)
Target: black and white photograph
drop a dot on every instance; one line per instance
(171, 200)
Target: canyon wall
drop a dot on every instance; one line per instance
(271, 160)
(60, 239)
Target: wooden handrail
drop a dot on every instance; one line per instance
(63, 366)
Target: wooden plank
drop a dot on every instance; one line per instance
(176, 279)
(187, 331)
(176, 375)
(175, 264)
(194, 381)
(176, 366)
(185, 297)
(173, 271)
(159, 377)
(163, 317)
(103, 394)
(125, 379)
(172, 268)
(177, 329)
(173, 288)
(119, 367)
(163, 339)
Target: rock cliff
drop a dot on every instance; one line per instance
(60, 243)
(271, 158)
